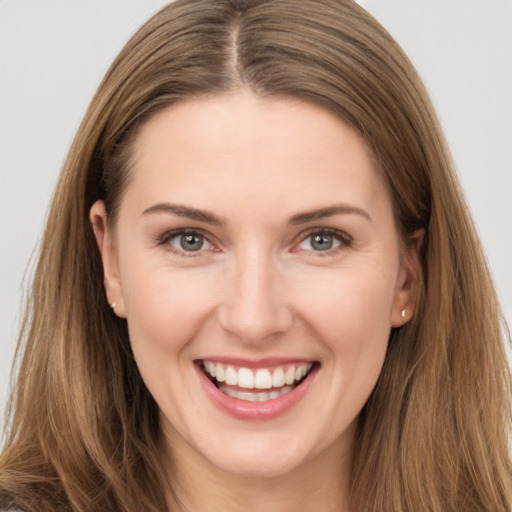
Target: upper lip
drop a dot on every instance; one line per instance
(257, 363)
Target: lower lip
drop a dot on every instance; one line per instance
(267, 410)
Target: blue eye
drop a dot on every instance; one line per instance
(188, 242)
(322, 241)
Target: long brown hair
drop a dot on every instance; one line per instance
(83, 431)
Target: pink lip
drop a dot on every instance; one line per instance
(259, 363)
(243, 410)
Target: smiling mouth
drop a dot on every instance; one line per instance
(256, 385)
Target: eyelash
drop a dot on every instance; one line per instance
(345, 241)
(166, 237)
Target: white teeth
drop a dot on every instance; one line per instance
(289, 376)
(245, 378)
(262, 378)
(219, 372)
(285, 390)
(231, 376)
(210, 368)
(302, 370)
(278, 378)
(255, 397)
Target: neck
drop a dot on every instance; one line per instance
(322, 482)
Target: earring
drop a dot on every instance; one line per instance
(403, 313)
(113, 306)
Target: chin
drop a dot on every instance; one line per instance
(255, 454)
(269, 466)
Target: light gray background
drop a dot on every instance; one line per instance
(53, 54)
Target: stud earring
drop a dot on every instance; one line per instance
(113, 306)
(403, 313)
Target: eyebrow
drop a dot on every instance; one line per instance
(185, 211)
(303, 218)
(210, 218)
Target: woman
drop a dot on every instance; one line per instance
(259, 285)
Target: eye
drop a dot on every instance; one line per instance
(323, 241)
(186, 241)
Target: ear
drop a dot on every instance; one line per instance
(105, 241)
(408, 280)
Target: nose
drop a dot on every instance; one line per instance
(254, 306)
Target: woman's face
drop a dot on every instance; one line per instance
(256, 242)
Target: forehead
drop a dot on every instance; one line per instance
(240, 147)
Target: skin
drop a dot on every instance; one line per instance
(258, 288)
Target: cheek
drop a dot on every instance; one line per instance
(354, 302)
(350, 314)
(164, 307)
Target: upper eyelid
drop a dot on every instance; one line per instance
(173, 233)
(344, 237)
